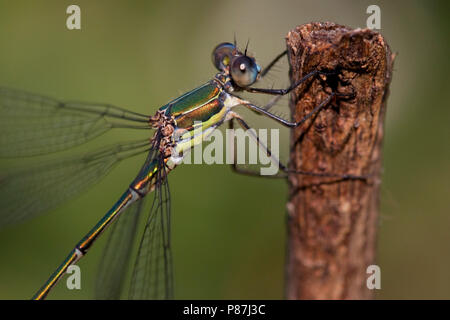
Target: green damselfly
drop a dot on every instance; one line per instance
(33, 125)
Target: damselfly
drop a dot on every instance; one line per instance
(33, 125)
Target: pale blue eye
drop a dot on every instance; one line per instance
(244, 70)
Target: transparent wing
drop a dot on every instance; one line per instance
(27, 192)
(153, 275)
(116, 255)
(32, 124)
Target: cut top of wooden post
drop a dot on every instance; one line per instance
(332, 224)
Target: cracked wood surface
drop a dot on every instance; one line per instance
(332, 223)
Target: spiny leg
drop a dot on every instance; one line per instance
(281, 166)
(288, 89)
(264, 110)
(287, 123)
(279, 93)
(265, 71)
(243, 171)
(272, 63)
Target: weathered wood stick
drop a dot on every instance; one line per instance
(333, 222)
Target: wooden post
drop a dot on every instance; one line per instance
(332, 224)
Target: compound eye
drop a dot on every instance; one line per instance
(244, 70)
(221, 55)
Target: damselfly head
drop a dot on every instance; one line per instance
(243, 69)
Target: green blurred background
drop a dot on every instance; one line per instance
(229, 230)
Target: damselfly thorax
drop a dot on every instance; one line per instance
(188, 120)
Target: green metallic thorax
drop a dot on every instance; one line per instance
(199, 104)
(197, 113)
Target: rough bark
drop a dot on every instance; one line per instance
(333, 223)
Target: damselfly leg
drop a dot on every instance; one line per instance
(285, 170)
(264, 110)
(266, 70)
